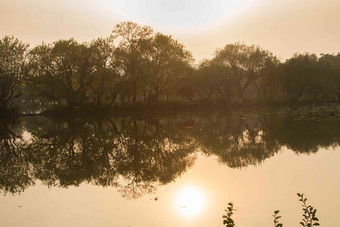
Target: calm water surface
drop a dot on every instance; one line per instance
(168, 169)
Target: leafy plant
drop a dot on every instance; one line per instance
(276, 218)
(309, 218)
(227, 219)
(309, 213)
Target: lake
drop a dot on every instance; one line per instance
(169, 169)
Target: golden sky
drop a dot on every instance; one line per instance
(281, 26)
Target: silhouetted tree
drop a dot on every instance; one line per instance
(12, 60)
(301, 73)
(108, 78)
(61, 72)
(131, 39)
(167, 62)
(330, 72)
(214, 82)
(246, 63)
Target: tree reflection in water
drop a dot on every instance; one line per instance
(15, 171)
(135, 155)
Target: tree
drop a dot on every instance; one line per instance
(130, 38)
(102, 54)
(12, 61)
(213, 81)
(61, 72)
(186, 91)
(300, 74)
(330, 70)
(107, 78)
(270, 88)
(167, 62)
(246, 63)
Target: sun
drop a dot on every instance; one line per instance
(190, 201)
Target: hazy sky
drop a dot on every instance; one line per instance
(281, 26)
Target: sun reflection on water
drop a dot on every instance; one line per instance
(190, 201)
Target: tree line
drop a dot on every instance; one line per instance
(137, 65)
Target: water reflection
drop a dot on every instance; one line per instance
(137, 154)
(15, 171)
